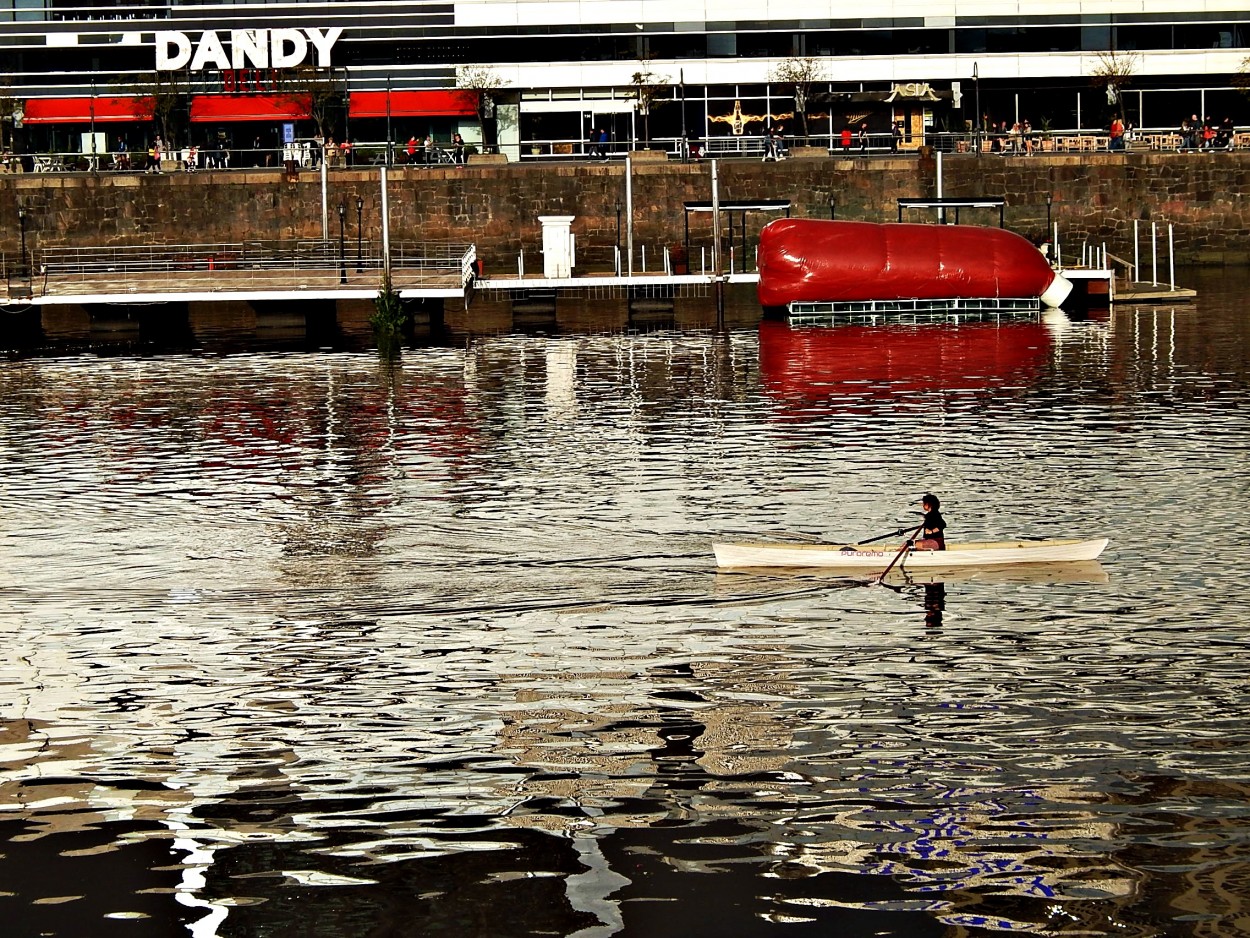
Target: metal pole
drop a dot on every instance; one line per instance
(1171, 259)
(941, 211)
(1055, 239)
(21, 219)
(360, 206)
(629, 213)
(386, 228)
(325, 208)
(387, 161)
(342, 265)
(347, 112)
(94, 163)
(716, 260)
(1136, 255)
(1154, 253)
(685, 148)
(976, 87)
(715, 221)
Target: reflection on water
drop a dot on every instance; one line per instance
(302, 642)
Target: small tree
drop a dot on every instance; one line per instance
(648, 92)
(1241, 80)
(315, 93)
(800, 73)
(165, 98)
(486, 82)
(1113, 72)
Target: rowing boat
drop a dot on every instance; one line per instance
(990, 553)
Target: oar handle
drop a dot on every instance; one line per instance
(900, 552)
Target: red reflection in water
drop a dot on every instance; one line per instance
(813, 365)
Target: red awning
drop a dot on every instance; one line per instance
(249, 107)
(456, 103)
(82, 110)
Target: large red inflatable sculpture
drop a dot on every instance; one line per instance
(809, 260)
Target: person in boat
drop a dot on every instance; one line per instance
(933, 527)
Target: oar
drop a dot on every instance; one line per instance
(881, 537)
(900, 552)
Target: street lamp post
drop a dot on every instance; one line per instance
(21, 220)
(342, 265)
(360, 207)
(976, 87)
(685, 145)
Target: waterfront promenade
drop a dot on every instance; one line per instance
(1093, 197)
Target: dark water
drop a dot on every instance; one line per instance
(306, 643)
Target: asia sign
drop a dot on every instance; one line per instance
(247, 48)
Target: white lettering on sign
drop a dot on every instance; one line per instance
(249, 48)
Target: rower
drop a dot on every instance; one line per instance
(933, 526)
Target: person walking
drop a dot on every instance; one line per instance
(1115, 142)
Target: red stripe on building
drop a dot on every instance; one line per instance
(249, 107)
(84, 110)
(457, 103)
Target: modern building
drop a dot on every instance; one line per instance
(539, 76)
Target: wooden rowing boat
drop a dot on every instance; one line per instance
(991, 553)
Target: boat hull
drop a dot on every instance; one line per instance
(845, 556)
(809, 260)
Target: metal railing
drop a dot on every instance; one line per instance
(252, 266)
(376, 153)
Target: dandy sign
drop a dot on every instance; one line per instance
(245, 48)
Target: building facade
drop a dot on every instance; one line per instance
(539, 77)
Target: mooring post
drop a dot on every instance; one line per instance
(716, 257)
(386, 225)
(1171, 259)
(629, 213)
(1136, 255)
(1154, 253)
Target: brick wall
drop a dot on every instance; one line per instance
(1096, 197)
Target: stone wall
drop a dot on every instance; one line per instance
(1095, 197)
